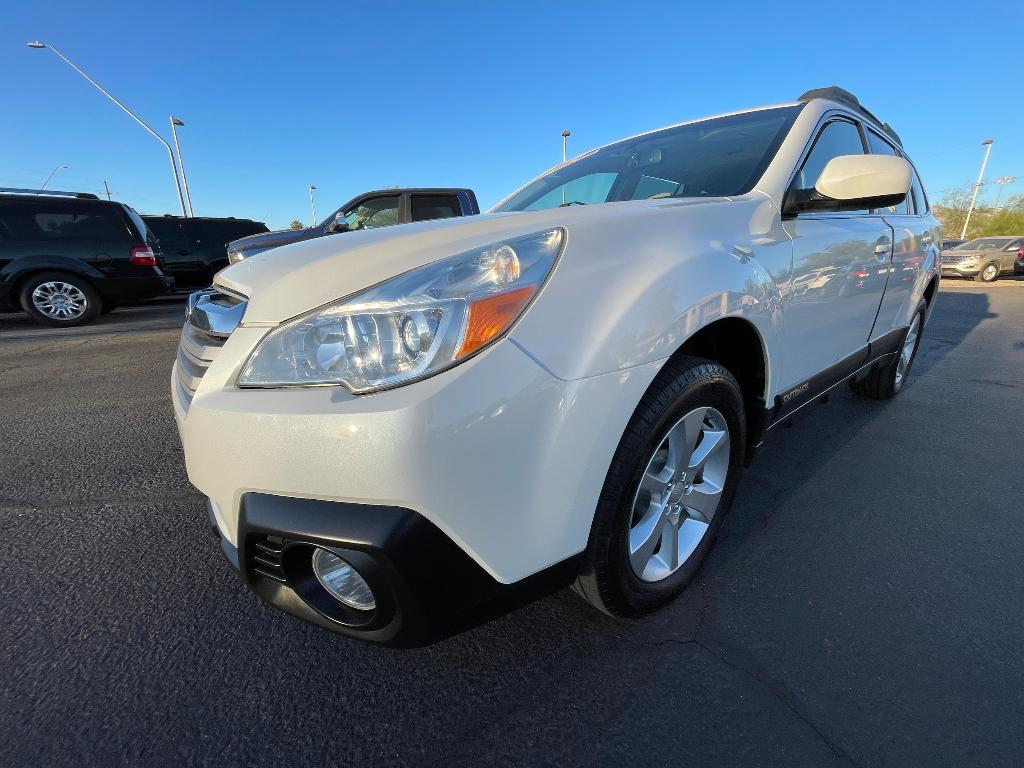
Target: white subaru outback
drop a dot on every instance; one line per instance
(400, 429)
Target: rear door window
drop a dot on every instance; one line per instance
(426, 207)
(68, 221)
(168, 233)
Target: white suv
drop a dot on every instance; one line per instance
(404, 427)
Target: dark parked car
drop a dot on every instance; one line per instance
(952, 242)
(380, 208)
(195, 249)
(67, 256)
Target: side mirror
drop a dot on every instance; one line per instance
(854, 182)
(338, 224)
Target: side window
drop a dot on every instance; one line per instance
(373, 213)
(920, 199)
(653, 188)
(880, 146)
(837, 138)
(168, 233)
(66, 222)
(425, 207)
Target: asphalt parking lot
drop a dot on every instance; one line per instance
(863, 605)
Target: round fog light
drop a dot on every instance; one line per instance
(342, 581)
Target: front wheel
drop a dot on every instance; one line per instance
(59, 299)
(670, 485)
(988, 274)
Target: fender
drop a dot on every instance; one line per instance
(698, 261)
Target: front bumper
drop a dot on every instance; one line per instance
(958, 270)
(504, 460)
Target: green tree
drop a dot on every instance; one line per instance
(296, 224)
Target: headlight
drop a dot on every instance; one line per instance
(411, 326)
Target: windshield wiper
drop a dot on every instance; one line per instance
(573, 202)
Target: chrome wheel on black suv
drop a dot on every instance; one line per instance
(60, 299)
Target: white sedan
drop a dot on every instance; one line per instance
(401, 428)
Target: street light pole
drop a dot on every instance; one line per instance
(565, 139)
(177, 148)
(987, 144)
(312, 202)
(170, 154)
(1002, 181)
(58, 168)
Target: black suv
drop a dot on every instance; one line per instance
(195, 249)
(67, 256)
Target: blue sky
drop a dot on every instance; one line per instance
(352, 97)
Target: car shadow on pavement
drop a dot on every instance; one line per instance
(940, 337)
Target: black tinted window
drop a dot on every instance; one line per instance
(920, 199)
(878, 145)
(67, 221)
(836, 139)
(168, 232)
(224, 231)
(426, 207)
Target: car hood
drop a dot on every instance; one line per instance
(267, 240)
(958, 254)
(301, 276)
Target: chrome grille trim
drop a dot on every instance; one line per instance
(211, 317)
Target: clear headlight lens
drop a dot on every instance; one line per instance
(409, 327)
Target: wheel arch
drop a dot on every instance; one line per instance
(736, 344)
(14, 274)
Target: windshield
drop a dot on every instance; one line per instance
(721, 156)
(983, 244)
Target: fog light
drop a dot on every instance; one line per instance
(342, 581)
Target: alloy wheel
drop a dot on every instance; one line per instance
(907, 352)
(678, 494)
(989, 273)
(59, 300)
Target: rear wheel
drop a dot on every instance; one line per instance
(887, 380)
(988, 274)
(668, 489)
(59, 299)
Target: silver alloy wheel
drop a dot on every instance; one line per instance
(907, 352)
(59, 300)
(678, 494)
(988, 274)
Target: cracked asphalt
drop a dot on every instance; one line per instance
(862, 607)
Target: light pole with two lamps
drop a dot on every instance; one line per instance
(170, 153)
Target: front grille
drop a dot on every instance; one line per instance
(265, 557)
(196, 351)
(212, 316)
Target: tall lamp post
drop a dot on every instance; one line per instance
(312, 202)
(565, 140)
(175, 122)
(987, 144)
(170, 154)
(58, 168)
(1002, 181)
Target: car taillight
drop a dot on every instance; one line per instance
(1020, 253)
(143, 256)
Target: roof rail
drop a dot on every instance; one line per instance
(50, 192)
(843, 96)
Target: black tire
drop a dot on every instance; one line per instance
(881, 383)
(606, 578)
(90, 301)
(989, 273)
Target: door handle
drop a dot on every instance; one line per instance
(883, 247)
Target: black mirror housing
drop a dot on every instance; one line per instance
(808, 200)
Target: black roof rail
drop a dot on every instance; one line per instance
(843, 96)
(50, 192)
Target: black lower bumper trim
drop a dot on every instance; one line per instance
(425, 586)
